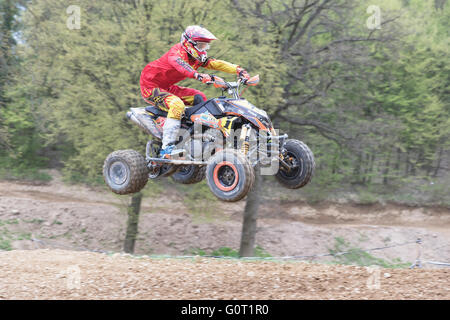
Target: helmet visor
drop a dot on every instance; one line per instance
(202, 46)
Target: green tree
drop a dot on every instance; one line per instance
(372, 104)
(88, 78)
(8, 10)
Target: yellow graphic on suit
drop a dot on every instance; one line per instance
(167, 102)
(176, 107)
(189, 100)
(221, 65)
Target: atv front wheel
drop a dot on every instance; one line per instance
(300, 165)
(229, 175)
(125, 172)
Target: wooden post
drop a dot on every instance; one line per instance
(132, 223)
(247, 247)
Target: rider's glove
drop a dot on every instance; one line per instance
(242, 73)
(203, 77)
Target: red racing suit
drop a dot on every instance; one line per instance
(159, 77)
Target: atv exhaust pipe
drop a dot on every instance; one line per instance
(144, 121)
(133, 118)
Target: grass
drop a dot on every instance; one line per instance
(359, 257)
(229, 252)
(6, 236)
(23, 173)
(23, 236)
(9, 221)
(5, 245)
(73, 177)
(260, 252)
(366, 197)
(38, 221)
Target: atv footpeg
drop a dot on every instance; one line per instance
(175, 161)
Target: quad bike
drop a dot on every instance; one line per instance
(222, 139)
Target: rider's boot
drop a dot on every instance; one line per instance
(170, 135)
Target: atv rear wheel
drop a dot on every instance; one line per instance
(189, 174)
(125, 171)
(300, 159)
(229, 175)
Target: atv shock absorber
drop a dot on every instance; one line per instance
(245, 138)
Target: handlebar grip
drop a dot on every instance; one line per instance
(242, 80)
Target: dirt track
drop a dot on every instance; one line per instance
(58, 274)
(75, 216)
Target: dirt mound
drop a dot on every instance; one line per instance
(79, 217)
(59, 274)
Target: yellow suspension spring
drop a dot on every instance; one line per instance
(245, 140)
(245, 147)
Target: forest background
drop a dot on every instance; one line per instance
(365, 84)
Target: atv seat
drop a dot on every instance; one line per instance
(188, 111)
(156, 111)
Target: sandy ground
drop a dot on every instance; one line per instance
(59, 274)
(71, 217)
(76, 217)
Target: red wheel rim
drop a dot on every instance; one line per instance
(217, 177)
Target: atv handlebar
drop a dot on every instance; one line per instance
(218, 82)
(233, 87)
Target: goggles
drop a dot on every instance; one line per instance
(202, 46)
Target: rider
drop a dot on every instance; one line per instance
(182, 61)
